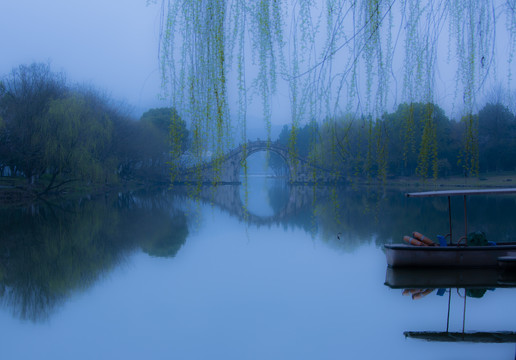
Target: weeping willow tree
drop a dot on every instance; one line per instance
(218, 57)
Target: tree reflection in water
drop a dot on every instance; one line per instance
(49, 252)
(363, 215)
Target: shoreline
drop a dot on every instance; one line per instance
(482, 181)
(15, 191)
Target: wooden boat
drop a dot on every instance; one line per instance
(401, 255)
(452, 255)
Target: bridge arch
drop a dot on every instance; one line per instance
(226, 170)
(281, 151)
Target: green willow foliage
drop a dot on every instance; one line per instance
(334, 56)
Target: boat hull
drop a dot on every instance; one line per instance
(401, 255)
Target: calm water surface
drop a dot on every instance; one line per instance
(296, 273)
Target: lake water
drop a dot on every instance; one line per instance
(274, 272)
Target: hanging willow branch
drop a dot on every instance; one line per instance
(331, 56)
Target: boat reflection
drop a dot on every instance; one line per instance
(470, 278)
(472, 283)
(474, 337)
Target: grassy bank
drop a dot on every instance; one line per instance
(485, 180)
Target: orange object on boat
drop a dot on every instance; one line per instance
(423, 239)
(421, 294)
(412, 241)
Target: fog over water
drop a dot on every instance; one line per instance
(166, 276)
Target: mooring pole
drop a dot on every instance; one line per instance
(449, 219)
(465, 221)
(448, 317)
(464, 314)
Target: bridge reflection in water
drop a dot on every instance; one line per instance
(257, 195)
(264, 196)
(284, 201)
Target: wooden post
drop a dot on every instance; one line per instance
(465, 221)
(448, 317)
(449, 219)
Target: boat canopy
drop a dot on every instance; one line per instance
(465, 193)
(462, 192)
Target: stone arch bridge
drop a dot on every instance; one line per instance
(226, 169)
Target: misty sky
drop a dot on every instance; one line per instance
(111, 45)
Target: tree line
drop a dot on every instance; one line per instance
(53, 133)
(417, 139)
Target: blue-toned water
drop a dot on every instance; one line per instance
(168, 276)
